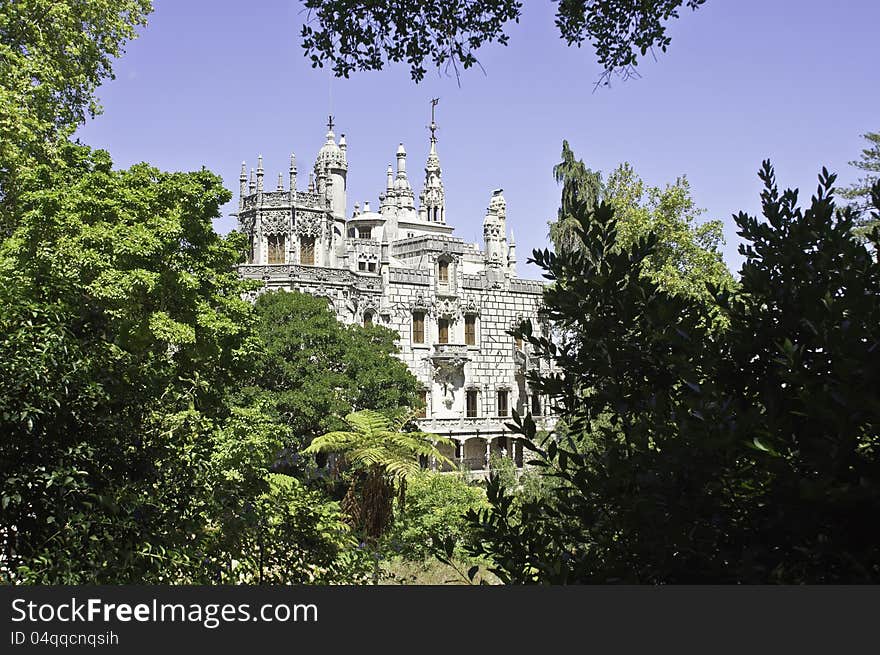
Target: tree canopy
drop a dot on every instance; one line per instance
(122, 327)
(747, 455)
(860, 192)
(53, 56)
(313, 370)
(357, 36)
(687, 256)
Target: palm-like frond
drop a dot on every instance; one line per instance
(378, 440)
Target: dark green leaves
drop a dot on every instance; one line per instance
(354, 36)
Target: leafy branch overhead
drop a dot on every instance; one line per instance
(358, 36)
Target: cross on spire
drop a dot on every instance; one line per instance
(330, 123)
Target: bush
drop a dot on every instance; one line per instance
(435, 505)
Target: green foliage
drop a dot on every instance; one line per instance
(122, 327)
(435, 505)
(312, 369)
(742, 456)
(292, 535)
(379, 440)
(860, 192)
(687, 256)
(383, 456)
(353, 36)
(53, 56)
(579, 184)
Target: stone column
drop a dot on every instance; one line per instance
(488, 453)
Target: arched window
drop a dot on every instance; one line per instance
(307, 251)
(368, 319)
(276, 249)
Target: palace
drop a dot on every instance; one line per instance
(451, 302)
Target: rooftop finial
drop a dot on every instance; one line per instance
(330, 123)
(433, 128)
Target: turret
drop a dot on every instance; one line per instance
(331, 169)
(260, 174)
(402, 189)
(494, 231)
(292, 174)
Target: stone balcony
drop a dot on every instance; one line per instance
(448, 352)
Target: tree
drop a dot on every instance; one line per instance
(54, 55)
(579, 184)
(748, 455)
(687, 255)
(435, 505)
(353, 36)
(382, 456)
(860, 192)
(123, 328)
(292, 535)
(313, 369)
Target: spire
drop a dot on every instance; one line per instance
(252, 185)
(390, 183)
(280, 183)
(260, 174)
(311, 182)
(242, 181)
(432, 205)
(292, 173)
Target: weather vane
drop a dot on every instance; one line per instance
(434, 102)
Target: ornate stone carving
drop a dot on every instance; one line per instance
(308, 224)
(422, 304)
(449, 360)
(448, 307)
(470, 305)
(275, 222)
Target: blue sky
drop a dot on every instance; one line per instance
(214, 82)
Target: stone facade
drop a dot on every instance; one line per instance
(451, 302)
